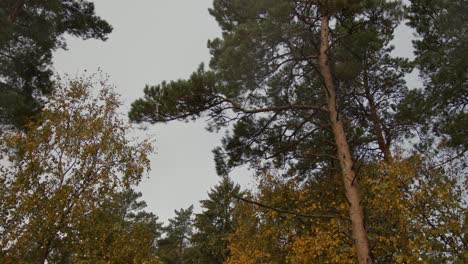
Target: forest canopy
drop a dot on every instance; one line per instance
(352, 163)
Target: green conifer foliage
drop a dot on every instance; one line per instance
(441, 52)
(215, 222)
(175, 248)
(264, 79)
(30, 31)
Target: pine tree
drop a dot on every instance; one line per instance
(441, 51)
(175, 248)
(215, 222)
(30, 31)
(277, 74)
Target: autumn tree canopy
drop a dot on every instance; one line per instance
(65, 167)
(352, 164)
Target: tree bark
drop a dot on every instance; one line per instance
(46, 252)
(378, 126)
(356, 212)
(15, 10)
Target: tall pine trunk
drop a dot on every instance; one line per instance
(351, 186)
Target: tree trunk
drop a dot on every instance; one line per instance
(384, 146)
(378, 126)
(15, 10)
(46, 252)
(356, 212)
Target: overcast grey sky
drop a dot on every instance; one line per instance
(152, 41)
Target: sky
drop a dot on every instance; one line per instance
(153, 41)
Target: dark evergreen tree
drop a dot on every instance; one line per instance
(175, 248)
(441, 52)
(30, 31)
(215, 222)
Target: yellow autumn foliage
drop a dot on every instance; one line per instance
(61, 170)
(414, 214)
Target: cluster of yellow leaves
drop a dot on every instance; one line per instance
(62, 168)
(268, 236)
(414, 214)
(103, 239)
(323, 245)
(384, 186)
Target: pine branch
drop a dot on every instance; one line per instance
(283, 211)
(238, 107)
